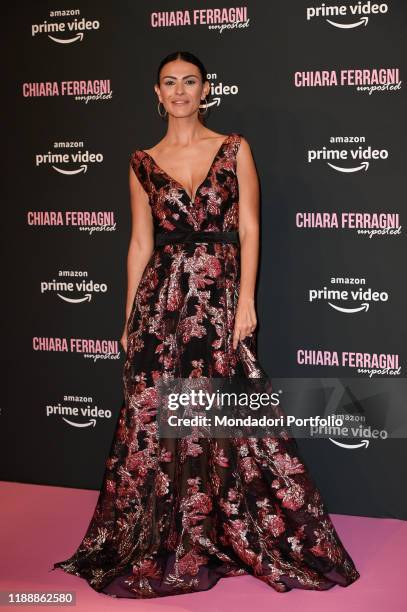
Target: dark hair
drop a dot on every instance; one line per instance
(186, 57)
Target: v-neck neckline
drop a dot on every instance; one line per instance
(192, 199)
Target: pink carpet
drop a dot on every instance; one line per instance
(42, 524)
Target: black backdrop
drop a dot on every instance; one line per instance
(252, 70)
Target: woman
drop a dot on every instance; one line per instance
(175, 515)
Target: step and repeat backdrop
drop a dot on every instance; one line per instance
(318, 89)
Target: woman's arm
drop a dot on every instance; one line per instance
(246, 320)
(141, 242)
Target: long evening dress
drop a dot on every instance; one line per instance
(174, 516)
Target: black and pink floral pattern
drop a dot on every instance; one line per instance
(174, 516)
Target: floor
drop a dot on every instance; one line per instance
(42, 524)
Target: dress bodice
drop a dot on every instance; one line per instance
(213, 207)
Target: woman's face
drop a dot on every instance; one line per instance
(181, 90)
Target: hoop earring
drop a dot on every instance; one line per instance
(166, 112)
(206, 108)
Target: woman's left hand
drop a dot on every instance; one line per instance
(245, 320)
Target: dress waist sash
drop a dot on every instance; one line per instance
(162, 238)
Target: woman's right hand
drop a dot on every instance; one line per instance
(123, 339)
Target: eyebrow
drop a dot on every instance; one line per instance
(168, 76)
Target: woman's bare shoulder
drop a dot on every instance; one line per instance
(244, 150)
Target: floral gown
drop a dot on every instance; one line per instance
(174, 516)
